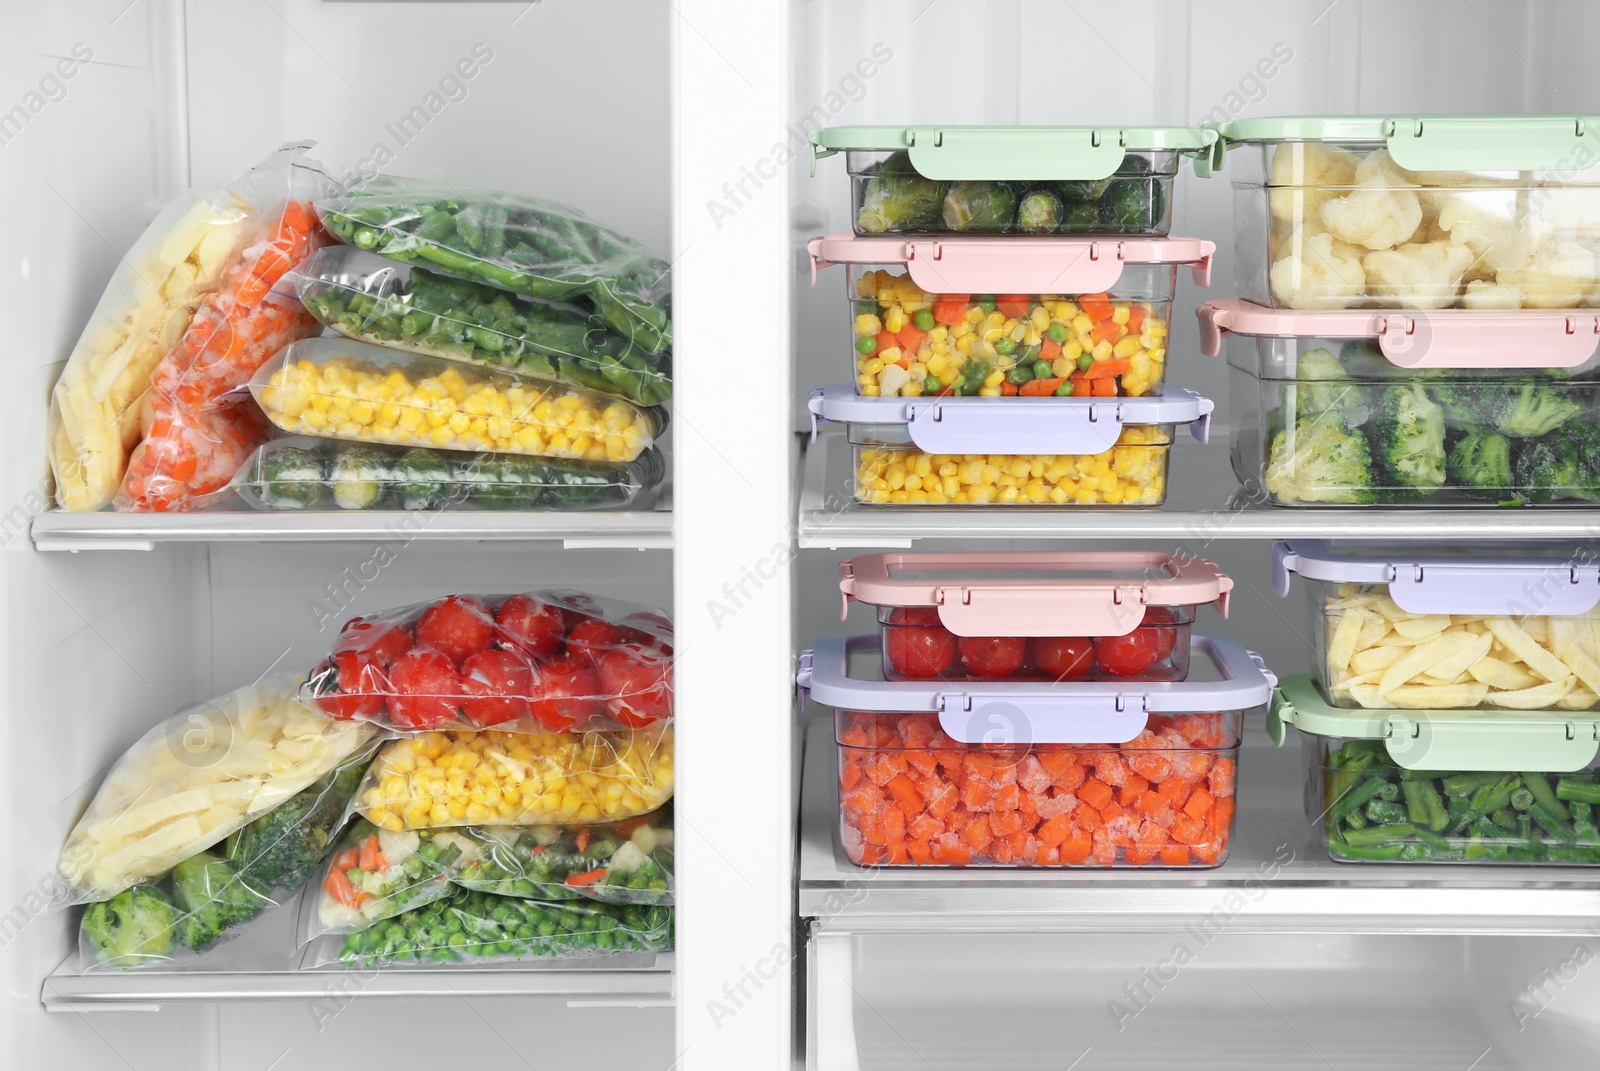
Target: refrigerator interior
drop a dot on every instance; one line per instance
(953, 969)
(100, 645)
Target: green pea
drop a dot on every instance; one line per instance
(1084, 362)
(1005, 346)
(866, 345)
(986, 303)
(1043, 370)
(1064, 391)
(923, 319)
(1056, 332)
(932, 385)
(1019, 375)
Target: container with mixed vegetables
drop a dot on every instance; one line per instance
(628, 862)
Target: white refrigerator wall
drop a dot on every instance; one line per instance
(569, 101)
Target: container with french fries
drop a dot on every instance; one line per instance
(1512, 627)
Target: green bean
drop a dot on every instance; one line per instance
(1545, 797)
(1573, 789)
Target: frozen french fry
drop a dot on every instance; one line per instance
(1500, 674)
(1375, 658)
(1424, 657)
(1376, 628)
(1343, 641)
(1537, 698)
(1583, 666)
(1578, 699)
(1436, 697)
(1461, 661)
(1526, 648)
(1420, 628)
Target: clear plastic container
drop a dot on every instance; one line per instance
(1035, 616)
(1039, 317)
(352, 390)
(1481, 212)
(1357, 408)
(1004, 774)
(302, 473)
(1445, 786)
(1011, 179)
(1503, 625)
(1046, 452)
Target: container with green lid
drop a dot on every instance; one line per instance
(1419, 212)
(1446, 786)
(1014, 179)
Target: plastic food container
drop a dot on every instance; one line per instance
(1034, 616)
(1508, 625)
(374, 299)
(1049, 452)
(1072, 316)
(1457, 408)
(302, 473)
(351, 390)
(1012, 774)
(1429, 212)
(1012, 179)
(1445, 786)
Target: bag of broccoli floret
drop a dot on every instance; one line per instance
(202, 901)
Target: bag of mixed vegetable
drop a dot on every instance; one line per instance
(482, 927)
(627, 862)
(522, 245)
(301, 472)
(183, 255)
(198, 902)
(406, 306)
(375, 874)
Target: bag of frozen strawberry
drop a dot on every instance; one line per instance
(538, 662)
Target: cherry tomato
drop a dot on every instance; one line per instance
(591, 638)
(916, 643)
(384, 641)
(1063, 657)
(993, 656)
(1130, 655)
(565, 695)
(638, 683)
(497, 684)
(576, 607)
(531, 625)
(1166, 633)
(427, 690)
(651, 630)
(352, 684)
(459, 626)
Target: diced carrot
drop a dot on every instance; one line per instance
(1211, 852)
(895, 853)
(348, 859)
(1221, 813)
(1199, 804)
(1023, 848)
(883, 767)
(342, 889)
(1056, 761)
(924, 827)
(1004, 823)
(1009, 389)
(1102, 388)
(951, 309)
(853, 737)
(942, 801)
(872, 854)
(588, 877)
(894, 825)
(951, 850)
(921, 852)
(1049, 349)
(1175, 855)
(1175, 789)
(977, 795)
(1073, 778)
(1108, 368)
(1095, 793)
(1221, 778)
(904, 793)
(1151, 834)
(1014, 306)
(1137, 314)
(911, 337)
(1186, 830)
(1027, 804)
(1085, 816)
(1104, 853)
(917, 730)
(1000, 851)
(1075, 849)
(1138, 856)
(1095, 306)
(1041, 388)
(885, 340)
(850, 775)
(977, 833)
(871, 827)
(371, 856)
(1152, 803)
(1049, 856)
(1105, 331)
(1080, 386)
(922, 761)
(1006, 797)
(1110, 811)
(1131, 788)
(863, 799)
(1053, 832)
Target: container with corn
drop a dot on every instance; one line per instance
(1010, 317)
(341, 389)
(489, 778)
(1047, 452)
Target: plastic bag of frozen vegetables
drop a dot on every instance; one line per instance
(627, 862)
(204, 898)
(375, 874)
(522, 245)
(476, 927)
(301, 472)
(406, 306)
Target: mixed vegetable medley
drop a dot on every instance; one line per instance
(627, 862)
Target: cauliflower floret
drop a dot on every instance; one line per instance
(1381, 212)
(1486, 295)
(1307, 164)
(1558, 276)
(1573, 212)
(1485, 221)
(1319, 272)
(1418, 275)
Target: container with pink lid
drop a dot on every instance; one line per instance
(1034, 616)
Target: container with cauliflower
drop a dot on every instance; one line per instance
(1073, 317)
(1043, 452)
(1478, 212)
(1324, 416)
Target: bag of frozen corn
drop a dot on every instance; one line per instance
(143, 313)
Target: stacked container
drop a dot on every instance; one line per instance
(1453, 714)
(1034, 709)
(1418, 320)
(1000, 355)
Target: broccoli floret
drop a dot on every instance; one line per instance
(212, 897)
(1320, 459)
(1325, 386)
(1407, 429)
(897, 198)
(1472, 406)
(1481, 464)
(1364, 361)
(133, 927)
(283, 847)
(1534, 410)
(1563, 464)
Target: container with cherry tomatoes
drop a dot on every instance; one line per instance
(538, 662)
(1036, 774)
(1035, 616)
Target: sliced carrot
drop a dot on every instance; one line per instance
(1014, 306)
(1199, 804)
(583, 840)
(1111, 366)
(911, 337)
(921, 852)
(884, 340)
(1095, 306)
(1049, 349)
(1175, 855)
(1137, 314)
(1105, 331)
(951, 309)
(371, 857)
(1080, 386)
(349, 859)
(1095, 793)
(342, 889)
(588, 877)
(1009, 389)
(1040, 388)
(1102, 388)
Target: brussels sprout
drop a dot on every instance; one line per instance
(980, 207)
(1039, 212)
(288, 478)
(896, 198)
(359, 474)
(1080, 218)
(422, 479)
(1083, 189)
(1132, 204)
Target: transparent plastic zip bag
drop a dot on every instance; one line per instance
(374, 874)
(196, 434)
(476, 928)
(523, 245)
(628, 862)
(198, 777)
(202, 901)
(306, 473)
(541, 662)
(95, 409)
(406, 306)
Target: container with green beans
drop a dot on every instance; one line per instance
(364, 296)
(1472, 786)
